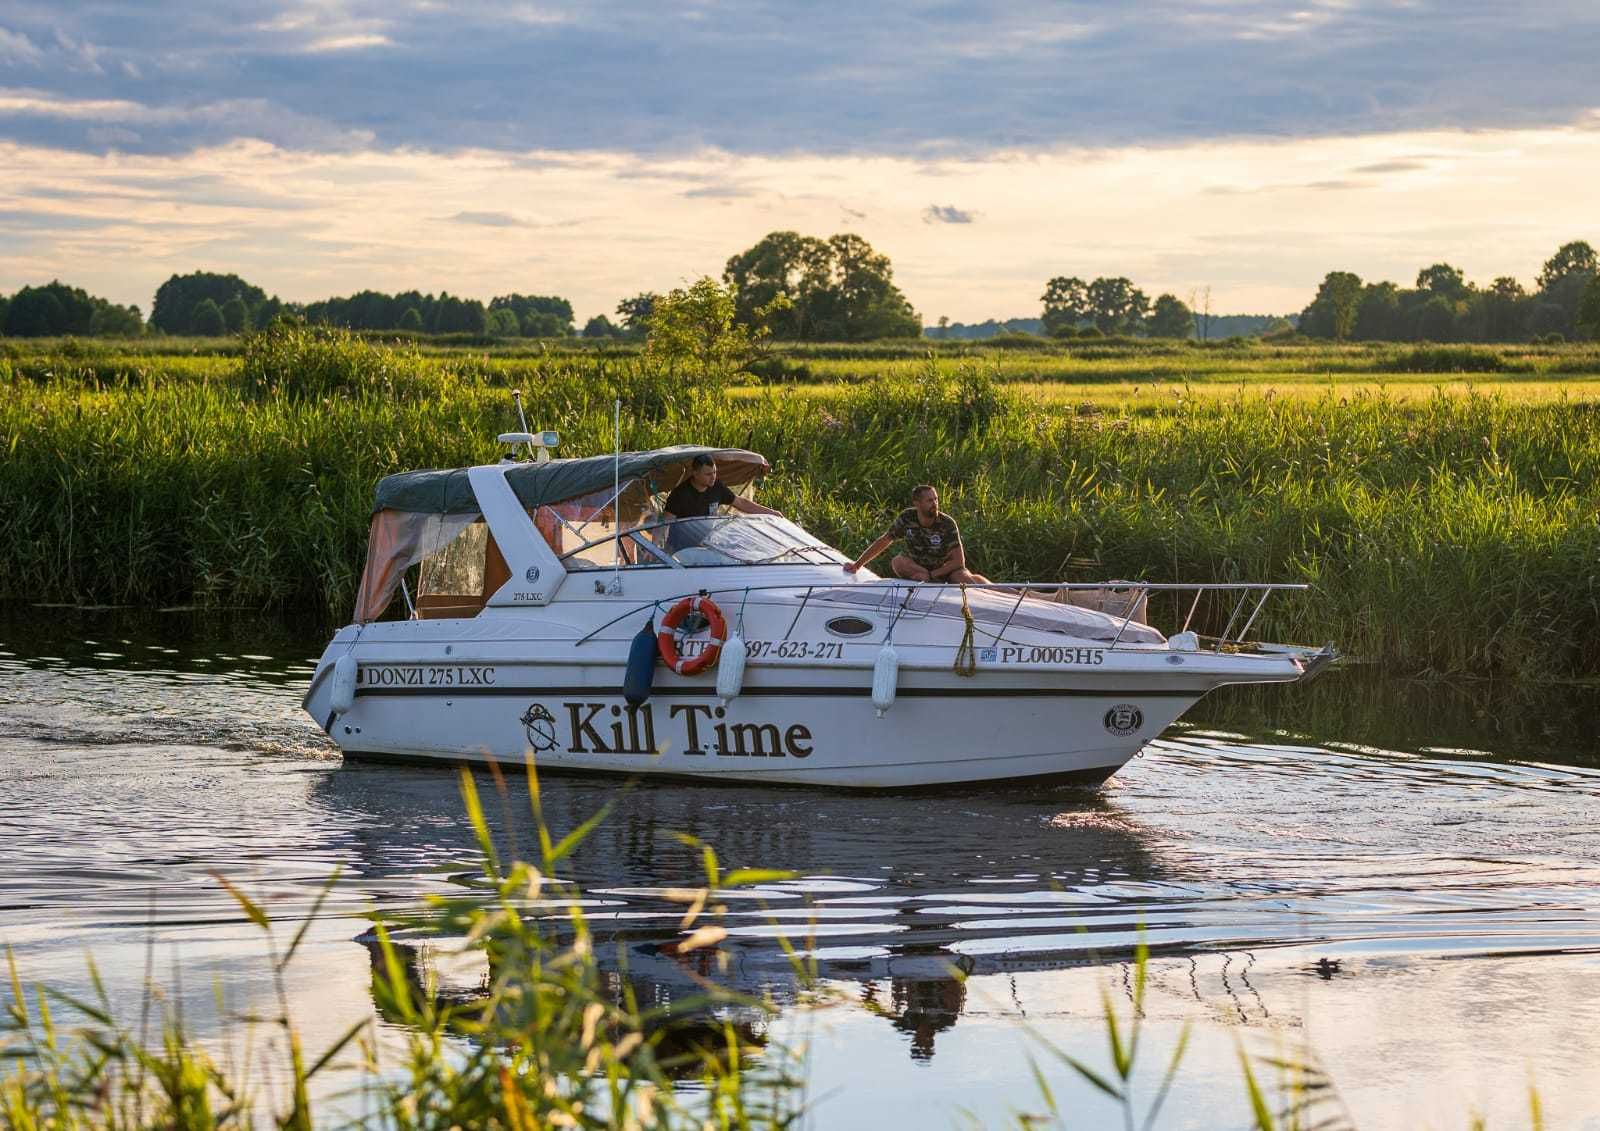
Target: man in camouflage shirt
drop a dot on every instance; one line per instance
(933, 550)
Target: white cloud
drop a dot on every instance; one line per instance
(24, 101)
(107, 120)
(597, 225)
(356, 42)
(17, 49)
(899, 76)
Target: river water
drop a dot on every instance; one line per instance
(1398, 880)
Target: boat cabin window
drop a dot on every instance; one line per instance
(723, 540)
(458, 577)
(583, 530)
(450, 561)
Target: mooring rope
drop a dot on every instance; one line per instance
(966, 655)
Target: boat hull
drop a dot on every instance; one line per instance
(938, 732)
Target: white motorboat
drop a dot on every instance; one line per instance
(545, 587)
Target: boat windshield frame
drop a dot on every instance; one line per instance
(664, 539)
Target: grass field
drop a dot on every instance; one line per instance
(1447, 522)
(1163, 395)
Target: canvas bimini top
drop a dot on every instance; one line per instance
(447, 491)
(418, 516)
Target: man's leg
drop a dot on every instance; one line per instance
(967, 577)
(908, 569)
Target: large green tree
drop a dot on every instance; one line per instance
(782, 282)
(503, 323)
(1436, 320)
(635, 313)
(1170, 318)
(1503, 309)
(236, 315)
(1378, 314)
(1442, 280)
(1589, 309)
(113, 321)
(1575, 258)
(179, 297)
(538, 316)
(804, 288)
(1562, 283)
(56, 309)
(34, 312)
(49, 311)
(1117, 306)
(694, 329)
(1066, 305)
(452, 315)
(206, 319)
(1332, 314)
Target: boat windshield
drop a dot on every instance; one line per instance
(721, 540)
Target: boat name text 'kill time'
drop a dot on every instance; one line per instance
(606, 728)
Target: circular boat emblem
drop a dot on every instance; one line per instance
(532, 575)
(540, 726)
(1124, 719)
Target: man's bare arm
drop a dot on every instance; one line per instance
(872, 551)
(955, 560)
(750, 506)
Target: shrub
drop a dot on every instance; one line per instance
(292, 359)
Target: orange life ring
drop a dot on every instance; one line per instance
(666, 639)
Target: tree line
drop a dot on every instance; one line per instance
(1111, 306)
(790, 287)
(56, 309)
(787, 286)
(1445, 307)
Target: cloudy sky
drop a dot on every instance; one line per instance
(598, 149)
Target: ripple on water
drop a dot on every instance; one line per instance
(136, 775)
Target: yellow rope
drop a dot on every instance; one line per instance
(966, 654)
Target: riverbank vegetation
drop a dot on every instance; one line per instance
(1444, 530)
(557, 1037)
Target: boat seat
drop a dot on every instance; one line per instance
(444, 606)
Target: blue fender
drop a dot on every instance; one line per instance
(642, 657)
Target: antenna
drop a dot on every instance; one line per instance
(616, 495)
(516, 395)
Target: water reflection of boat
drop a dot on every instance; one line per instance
(537, 582)
(685, 1027)
(881, 900)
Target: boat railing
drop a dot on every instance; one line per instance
(900, 596)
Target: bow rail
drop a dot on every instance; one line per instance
(900, 594)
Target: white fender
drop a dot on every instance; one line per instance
(342, 687)
(885, 677)
(1183, 642)
(730, 668)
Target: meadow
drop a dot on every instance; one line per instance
(1442, 501)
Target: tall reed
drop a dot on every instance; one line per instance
(553, 1042)
(1446, 533)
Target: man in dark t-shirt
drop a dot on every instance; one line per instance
(933, 550)
(701, 494)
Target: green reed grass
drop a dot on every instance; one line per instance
(1444, 533)
(550, 1043)
(1301, 1097)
